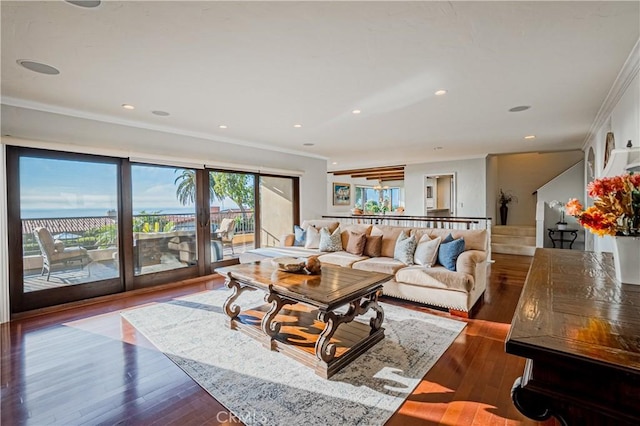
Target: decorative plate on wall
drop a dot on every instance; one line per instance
(608, 147)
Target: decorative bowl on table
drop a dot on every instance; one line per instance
(288, 264)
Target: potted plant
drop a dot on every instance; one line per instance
(505, 198)
(557, 205)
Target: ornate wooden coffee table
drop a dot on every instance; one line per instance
(310, 329)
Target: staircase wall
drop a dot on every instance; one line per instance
(569, 184)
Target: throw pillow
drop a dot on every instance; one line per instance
(373, 247)
(427, 251)
(449, 252)
(447, 239)
(356, 243)
(313, 238)
(330, 242)
(405, 248)
(58, 246)
(299, 236)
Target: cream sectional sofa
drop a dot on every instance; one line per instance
(458, 290)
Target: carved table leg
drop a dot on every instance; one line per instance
(230, 308)
(531, 405)
(269, 326)
(325, 350)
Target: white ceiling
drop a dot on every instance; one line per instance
(261, 67)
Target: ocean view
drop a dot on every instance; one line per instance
(99, 212)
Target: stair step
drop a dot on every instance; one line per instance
(525, 231)
(518, 240)
(513, 249)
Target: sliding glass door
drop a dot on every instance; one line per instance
(82, 226)
(164, 222)
(232, 198)
(64, 227)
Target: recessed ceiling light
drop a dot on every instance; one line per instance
(441, 92)
(87, 3)
(38, 67)
(160, 113)
(519, 108)
(308, 144)
(356, 111)
(530, 137)
(334, 163)
(297, 126)
(222, 126)
(127, 106)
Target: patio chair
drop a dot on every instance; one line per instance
(54, 252)
(225, 232)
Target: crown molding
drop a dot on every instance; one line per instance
(38, 106)
(628, 72)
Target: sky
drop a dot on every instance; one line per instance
(54, 184)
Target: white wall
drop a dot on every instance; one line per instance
(492, 188)
(624, 122)
(59, 132)
(523, 174)
(568, 185)
(4, 239)
(470, 185)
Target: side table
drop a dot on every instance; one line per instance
(573, 234)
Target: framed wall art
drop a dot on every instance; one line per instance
(341, 194)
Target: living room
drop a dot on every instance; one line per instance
(271, 90)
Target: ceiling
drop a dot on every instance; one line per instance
(262, 67)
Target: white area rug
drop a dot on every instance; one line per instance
(262, 387)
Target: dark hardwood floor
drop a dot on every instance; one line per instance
(87, 365)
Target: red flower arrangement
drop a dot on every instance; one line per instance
(616, 207)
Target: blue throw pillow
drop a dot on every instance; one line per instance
(447, 239)
(448, 253)
(299, 236)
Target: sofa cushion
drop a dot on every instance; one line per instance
(330, 241)
(356, 228)
(474, 239)
(386, 265)
(299, 236)
(313, 238)
(340, 258)
(356, 242)
(427, 251)
(436, 277)
(389, 237)
(448, 253)
(405, 248)
(373, 247)
(320, 223)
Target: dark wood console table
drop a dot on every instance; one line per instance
(580, 332)
(572, 232)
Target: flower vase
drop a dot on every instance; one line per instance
(504, 210)
(626, 251)
(561, 226)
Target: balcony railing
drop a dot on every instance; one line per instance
(93, 232)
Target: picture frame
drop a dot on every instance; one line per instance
(609, 145)
(341, 194)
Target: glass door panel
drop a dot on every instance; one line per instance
(232, 203)
(164, 218)
(68, 213)
(276, 209)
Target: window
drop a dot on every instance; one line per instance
(378, 200)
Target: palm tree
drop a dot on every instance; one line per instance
(236, 186)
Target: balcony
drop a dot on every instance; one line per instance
(161, 242)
